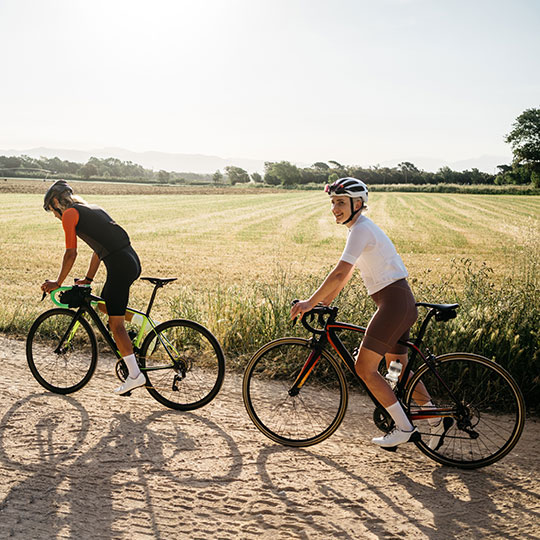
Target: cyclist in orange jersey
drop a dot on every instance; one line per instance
(111, 244)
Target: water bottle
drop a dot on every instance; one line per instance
(394, 371)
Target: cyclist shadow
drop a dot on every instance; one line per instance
(77, 489)
(461, 503)
(304, 511)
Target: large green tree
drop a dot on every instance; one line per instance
(525, 141)
(284, 172)
(525, 138)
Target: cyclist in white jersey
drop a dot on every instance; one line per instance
(384, 276)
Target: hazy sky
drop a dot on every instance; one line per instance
(356, 81)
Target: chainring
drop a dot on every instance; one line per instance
(383, 420)
(121, 370)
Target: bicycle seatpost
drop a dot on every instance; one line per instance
(152, 298)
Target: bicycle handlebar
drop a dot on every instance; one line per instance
(319, 310)
(56, 301)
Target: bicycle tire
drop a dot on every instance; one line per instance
(67, 370)
(492, 417)
(183, 363)
(307, 418)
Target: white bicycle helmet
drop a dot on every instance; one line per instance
(349, 187)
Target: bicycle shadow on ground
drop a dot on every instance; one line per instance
(380, 508)
(327, 493)
(69, 473)
(462, 503)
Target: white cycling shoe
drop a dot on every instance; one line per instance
(130, 384)
(439, 431)
(395, 437)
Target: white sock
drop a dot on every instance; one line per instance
(400, 418)
(431, 421)
(137, 319)
(133, 367)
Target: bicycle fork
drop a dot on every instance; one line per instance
(68, 336)
(306, 370)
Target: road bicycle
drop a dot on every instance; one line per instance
(182, 361)
(295, 392)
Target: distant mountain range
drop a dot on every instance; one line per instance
(199, 163)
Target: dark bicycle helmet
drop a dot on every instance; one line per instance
(349, 187)
(57, 189)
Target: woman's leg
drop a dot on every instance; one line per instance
(366, 366)
(122, 269)
(120, 335)
(103, 308)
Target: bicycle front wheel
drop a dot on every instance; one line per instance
(183, 363)
(479, 404)
(301, 418)
(61, 351)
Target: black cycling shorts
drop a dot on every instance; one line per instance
(123, 268)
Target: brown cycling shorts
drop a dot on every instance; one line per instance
(396, 313)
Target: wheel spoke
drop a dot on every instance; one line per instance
(309, 416)
(490, 405)
(191, 361)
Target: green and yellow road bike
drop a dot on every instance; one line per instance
(182, 361)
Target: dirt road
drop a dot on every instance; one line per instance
(93, 465)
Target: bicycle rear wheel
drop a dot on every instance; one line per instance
(61, 351)
(183, 363)
(308, 417)
(480, 403)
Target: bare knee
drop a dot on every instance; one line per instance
(366, 374)
(367, 364)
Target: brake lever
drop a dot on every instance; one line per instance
(295, 301)
(43, 296)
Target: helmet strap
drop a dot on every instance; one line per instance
(353, 212)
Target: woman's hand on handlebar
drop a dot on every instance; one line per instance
(49, 286)
(299, 308)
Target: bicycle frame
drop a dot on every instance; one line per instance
(329, 335)
(88, 307)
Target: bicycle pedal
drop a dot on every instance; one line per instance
(389, 448)
(415, 437)
(126, 394)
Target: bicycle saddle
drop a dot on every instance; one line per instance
(159, 281)
(438, 307)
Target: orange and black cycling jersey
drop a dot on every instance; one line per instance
(95, 227)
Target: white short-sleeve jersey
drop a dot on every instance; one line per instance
(374, 255)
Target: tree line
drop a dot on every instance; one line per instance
(524, 139)
(524, 169)
(98, 169)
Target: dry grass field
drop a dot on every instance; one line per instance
(216, 239)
